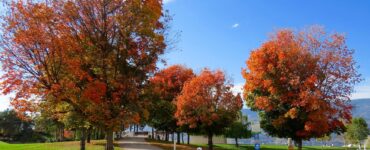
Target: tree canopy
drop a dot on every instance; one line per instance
(301, 82)
(357, 131)
(164, 87)
(94, 55)
(208, 104)
(239, 129)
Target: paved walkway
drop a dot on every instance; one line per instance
(136, 143)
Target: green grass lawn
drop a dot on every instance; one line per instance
(169, 146)
(73, 145)
(270, 147)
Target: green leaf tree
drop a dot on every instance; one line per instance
(14, 129)
(10, 124)
(324, 139)
(357, 131)
(239, 129)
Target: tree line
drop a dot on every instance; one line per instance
(40, 129)
(92, 64)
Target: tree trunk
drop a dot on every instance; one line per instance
(210, 141)
(120, 134)
(74, 134)
(236, 142)
(109, 139)
(102, 134)
(152, 133)
(89, 134)
(178, 138)
(299, 143)
(365, 143)
(359, 144)
(182, 137)
(61, 133)
(56, 135)
(166, 136)
(83, 139)
(188, 138)
(98, 134)
(95, 134)
(173, 137)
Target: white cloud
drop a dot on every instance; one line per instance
(362, 91)
(236, 25)
(238, 88)
(167, 1)
(4, 102)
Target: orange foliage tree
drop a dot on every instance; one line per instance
(165, 86)
(169, 82)
(35, 59)
(93, 54)
(301, 82)
(207, 104)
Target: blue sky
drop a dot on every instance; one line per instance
(220, 34)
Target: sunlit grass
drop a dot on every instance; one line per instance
(169, 146)
(73, 145)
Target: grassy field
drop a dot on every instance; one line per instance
(169, 146)
(271, 147)
(74, 145)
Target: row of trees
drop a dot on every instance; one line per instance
(14, 129)
(94, 62)
(41, 129)
(202, 104)
(87, 64)
(84, 60)
(300, 83)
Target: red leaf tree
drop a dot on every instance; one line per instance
(165, 86)
(96, 55)
(168, 83)
(207, 103)
(301, 82)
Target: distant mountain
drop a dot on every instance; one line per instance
(361, 108)
(252, 115)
